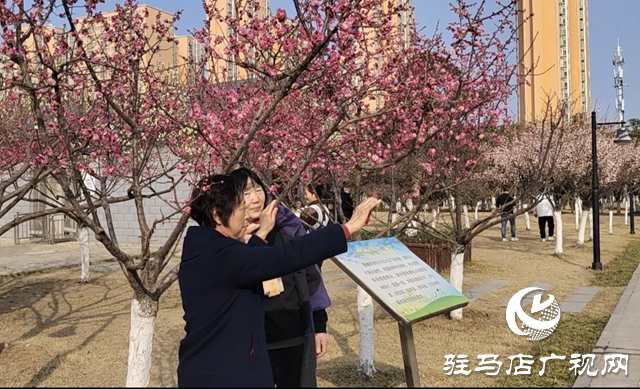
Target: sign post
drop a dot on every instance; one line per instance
(404, 285)
(409, 357)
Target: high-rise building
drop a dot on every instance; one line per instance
(160, 59)
(226, 68)
(553, 45)
(188, 57)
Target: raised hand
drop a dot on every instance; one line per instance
(267, 219)
(253, 227)
(360, 214)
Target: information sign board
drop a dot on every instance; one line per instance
(408, 288)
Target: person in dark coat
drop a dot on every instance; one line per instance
(222, 267)
(296, 319)
(347, 202)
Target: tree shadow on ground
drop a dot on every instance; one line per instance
(48, 369)
(342, 371)
(61, 307)
(60, 312)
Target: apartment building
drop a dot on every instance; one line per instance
(554, 47)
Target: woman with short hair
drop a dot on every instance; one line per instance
(220, 280)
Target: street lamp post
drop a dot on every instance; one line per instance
(632, 209)
(622, 137)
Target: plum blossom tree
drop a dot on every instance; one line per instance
(353, 95)
(96, 111)
(337, 90)
(17, 172)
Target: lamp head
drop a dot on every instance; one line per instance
(622, 136)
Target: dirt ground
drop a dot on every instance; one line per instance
(57, 332)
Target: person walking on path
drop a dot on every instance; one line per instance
(506, 204)
(544, 213)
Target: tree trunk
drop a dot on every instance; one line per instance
(83, 237)
(412, 230)
(527, 219)
(558, 234)
(456, 277)
(493, 203)
(477, 207)
(391, 218)
(578, 208)
(465, 209)
(626, 212)
(590, 224)
(610, 221)
(617, 207)
(367, 340)
(583, 227)
(144, 311)
(434, 213)
(425, 208)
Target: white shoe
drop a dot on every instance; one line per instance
(504, 240)
(514, 239)
(544, 240)
(551, 239)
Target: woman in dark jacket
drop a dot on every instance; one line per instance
(220, 283)
(296, 318)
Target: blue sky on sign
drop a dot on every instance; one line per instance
(607, 20)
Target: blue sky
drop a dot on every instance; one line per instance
(606, 20)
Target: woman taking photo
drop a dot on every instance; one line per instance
(221, 276)
(296, 317)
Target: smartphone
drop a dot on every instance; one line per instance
(373, 194)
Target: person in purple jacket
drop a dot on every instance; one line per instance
(221, 273)
(296, 318)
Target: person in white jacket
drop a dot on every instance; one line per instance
(544, 213)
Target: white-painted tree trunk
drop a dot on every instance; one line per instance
(626, 211)
(477, 208)
(558, 233)
(143, 322)
(456, 279)
(584, 216)
(367, 340)
(83, 237)
(452, 203)
(578, 210)
(610, 221)
(412, 231)
(434, 215)
(590, 224)
(527, 219)
(493, 202)
(465, 209)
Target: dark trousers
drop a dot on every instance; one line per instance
(542, 220)
(286, 365)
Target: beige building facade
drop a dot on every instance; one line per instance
(553, 45)
(226, 68)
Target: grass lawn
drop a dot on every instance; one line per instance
(55, 331)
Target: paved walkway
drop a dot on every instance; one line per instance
(621, 335)
(24, 258)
